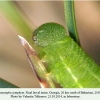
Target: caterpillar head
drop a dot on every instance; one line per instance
(49, 33)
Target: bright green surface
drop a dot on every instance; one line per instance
(70, 66)
(49, 33)
(66, 62)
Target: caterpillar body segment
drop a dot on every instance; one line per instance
(67, 63)
(70, 66)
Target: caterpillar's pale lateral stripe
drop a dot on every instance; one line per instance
(69, 71)
(68, 64)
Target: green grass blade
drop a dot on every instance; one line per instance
(5, 84)
(10, 11)
(70, 19)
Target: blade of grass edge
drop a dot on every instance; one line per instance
(70, 19)
(5, 84)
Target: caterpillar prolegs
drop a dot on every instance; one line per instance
(68, 64)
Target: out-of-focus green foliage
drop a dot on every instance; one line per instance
(12, 14)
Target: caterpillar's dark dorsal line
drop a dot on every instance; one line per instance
(49, 33)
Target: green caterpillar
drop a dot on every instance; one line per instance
(67, 63)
